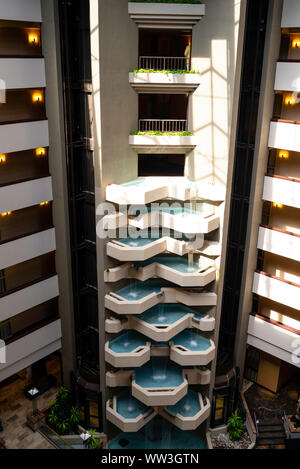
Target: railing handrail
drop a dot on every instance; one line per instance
(159, 62)
(55, 434)
(163, 125)
(255, 423)
(163, 120)
(160, 57)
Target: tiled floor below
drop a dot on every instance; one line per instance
(14, 408)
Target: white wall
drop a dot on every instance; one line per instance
(31, 348)
(23, 136)
(291, 14)
(21, 10)
(25, 194)
(26, 248)
(28, 298)
(287, 77)
(23, 73)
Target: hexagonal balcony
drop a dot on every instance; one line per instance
(159, 383)
(127, 413)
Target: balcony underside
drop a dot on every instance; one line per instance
(165, 15)
(158, 83)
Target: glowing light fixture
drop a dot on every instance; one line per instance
(296, 43)
(278, 205)
(5, 214)
(283, 154)
(40, 152)
(290, 101)
(44, 203)
(33, 38)
(37, 97)
(2, 158)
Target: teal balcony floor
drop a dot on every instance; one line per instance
(188, 406)
(165, 314)
(158, 435)
(191, 341)
(159, 372)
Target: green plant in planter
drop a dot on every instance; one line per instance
(166, 72)
(235, 427)
(94, 442)
(63, 416)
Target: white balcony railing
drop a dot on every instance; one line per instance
(282, 190)
(25, 10)
(276, 289)
(23, 136)
(279, 242)
(29, 349)
(287, 76)
(23, 73)
(163, 125)
(22, 249)
(273, 339)
(28, 297)
(25, 194)
(163, 63)
(284, 135)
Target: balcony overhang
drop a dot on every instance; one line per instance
(128, 423)
(165, 15)
(282, 190)
(163, 143)
(276, 289)
(171, 83)
(273, 339)
(279, 242)
(177, 415)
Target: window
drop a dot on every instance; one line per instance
(161, 165)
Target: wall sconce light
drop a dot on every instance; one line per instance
(42, 204)
(296, 43)
(37, 97)
(2, 158)
(33, 38)
(283, 154)
(277, 205)
(289, 101)
(40, 152)
(5, 214)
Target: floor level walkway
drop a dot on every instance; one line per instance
(14, 408)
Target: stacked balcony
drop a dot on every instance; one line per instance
(161, 296)
(274, 323)
(163, 318)
(28, 280)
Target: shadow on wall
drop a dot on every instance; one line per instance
(213, 55)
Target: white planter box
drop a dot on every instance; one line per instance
(164, 83)
(163, 143)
